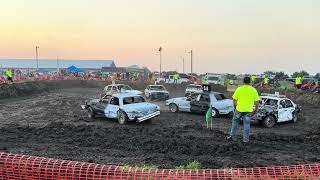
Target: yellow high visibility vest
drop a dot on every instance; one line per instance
(298, 80)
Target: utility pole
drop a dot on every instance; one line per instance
(191, 54)
(37, 47)
(58, 64)
(160, 50)
(183, 64)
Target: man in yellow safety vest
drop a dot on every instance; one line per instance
(298, 82)
(253, 79)
(176, 77)
(9, 75)
(266, 81)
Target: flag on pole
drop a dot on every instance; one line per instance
(209, 117)
(160, 49)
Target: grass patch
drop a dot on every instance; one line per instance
(191, 165)
(140, 166)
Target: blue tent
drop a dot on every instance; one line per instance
(72, 69)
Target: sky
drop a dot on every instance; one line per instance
(227, 36)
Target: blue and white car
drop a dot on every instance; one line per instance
(199, 103)
(122, 106)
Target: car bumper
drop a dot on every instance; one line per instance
(149, 116)
(160, 95)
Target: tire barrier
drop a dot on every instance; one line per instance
(15, 166)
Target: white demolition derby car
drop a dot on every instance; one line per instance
(192, 89)
(120, 88)
(156, 92)
(276, 108)
(122, 106)
(199, 103)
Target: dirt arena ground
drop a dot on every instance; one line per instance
(52, 124)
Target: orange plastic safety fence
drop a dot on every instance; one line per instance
(15, 166)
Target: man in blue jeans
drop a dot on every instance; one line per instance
(245, 97)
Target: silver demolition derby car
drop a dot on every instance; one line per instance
(120, 88)
(157, 92)
(275, 108)
(199, 103)
(122, 106)
(193, 88)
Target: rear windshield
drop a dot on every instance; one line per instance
(157, 88)
(124, 87)
(213, 78)
(269, 102)
(133, 100)
(194, 88)
(220, 97)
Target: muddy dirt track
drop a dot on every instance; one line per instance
(51, 124)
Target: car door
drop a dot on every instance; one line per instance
(201, 104)
(101, 106)
(111, 111)
(291, 108)
(284, 113)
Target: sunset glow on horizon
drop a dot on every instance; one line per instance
(234, 36)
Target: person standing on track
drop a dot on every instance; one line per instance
(298, 82)
(176, 77)
(9, 75)
(245, 97)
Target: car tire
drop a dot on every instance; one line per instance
(294, 117)
(215, 113)
(122, 117)
(269, 121)
(91, 113)
(173, 108)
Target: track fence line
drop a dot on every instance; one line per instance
(19, 167)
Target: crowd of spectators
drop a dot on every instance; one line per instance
(19, 76)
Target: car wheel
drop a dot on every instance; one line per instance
(215, 112)
(294, 117)
(91, 113)
(269, 121)
(122, 117)
(173, 108)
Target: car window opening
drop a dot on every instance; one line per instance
(133, 100)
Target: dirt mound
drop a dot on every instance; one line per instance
(22, 89)
(307, 98)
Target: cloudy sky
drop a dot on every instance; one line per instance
(235, 36)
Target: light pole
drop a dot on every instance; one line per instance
(183, 64)
(37, 47)
(191, 54)
(160, 50)
(58, 64)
